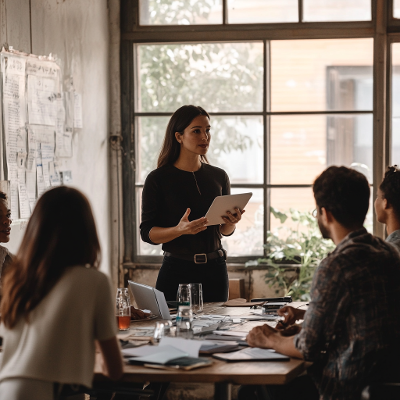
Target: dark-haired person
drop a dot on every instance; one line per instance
(5, 230)
(176, 196)
(387, 204)
(56, 305)
(352, 325)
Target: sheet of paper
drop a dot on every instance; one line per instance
(54, 175)
(164, 354)
(66, 177)
(45, 143)
(41, 187)
(13, 111)
(13, 201)
(69, 100)
(230, 333)
(31, 188)
(140, 351)
(32, 149)
(24, 207)
(77, 110)
(60, 127)
(190, 347)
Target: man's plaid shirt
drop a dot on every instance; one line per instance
(354, 314)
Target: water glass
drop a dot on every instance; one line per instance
(184, 329)
(184, 295)
(123, 309)
(197, 297)
(159, 331)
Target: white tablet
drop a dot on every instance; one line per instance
(222, 204)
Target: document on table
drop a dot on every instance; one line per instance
(191, 347)
(252, 354)
(161, 356)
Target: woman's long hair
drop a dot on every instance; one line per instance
(61, 233)
(179, 121)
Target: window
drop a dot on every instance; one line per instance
(282, 108)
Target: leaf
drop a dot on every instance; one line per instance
(279, 215)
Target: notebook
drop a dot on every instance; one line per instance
(251, 354)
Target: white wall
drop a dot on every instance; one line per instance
(77, 32)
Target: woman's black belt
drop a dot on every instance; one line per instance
(200, 258)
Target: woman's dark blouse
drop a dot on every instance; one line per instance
(169, 191)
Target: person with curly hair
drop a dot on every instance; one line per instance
(387, 204)
(5, 230)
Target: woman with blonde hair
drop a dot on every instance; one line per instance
(56, 304)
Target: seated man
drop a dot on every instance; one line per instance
(387, 204)
(353, 320)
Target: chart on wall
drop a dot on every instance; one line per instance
(37, 123)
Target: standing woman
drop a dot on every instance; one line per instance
(56, 304)
(176, 196)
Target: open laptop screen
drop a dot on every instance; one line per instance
(149, 298)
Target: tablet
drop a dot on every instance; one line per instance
(222, 204)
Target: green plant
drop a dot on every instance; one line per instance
(302, 244)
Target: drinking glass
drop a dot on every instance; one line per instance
(197, 297)
(184, 295)
(123, 309)
(159, 331)
(184, 329)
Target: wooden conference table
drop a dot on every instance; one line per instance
(221, 373)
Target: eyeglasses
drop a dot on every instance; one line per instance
(314, 213)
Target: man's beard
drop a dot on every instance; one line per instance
(324, 231)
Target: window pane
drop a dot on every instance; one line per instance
(237, 147)
(302, 146)
(395, 150)
(180, 12)
(262, 11)
(248, 237)
(299, 199)
(144, 249)
(336, 10)
(216, 76)
(150, 136)
(324, 74)
(396, 8)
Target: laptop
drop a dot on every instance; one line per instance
(149, 298)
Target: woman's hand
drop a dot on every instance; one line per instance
(187, 227)
(232, 219)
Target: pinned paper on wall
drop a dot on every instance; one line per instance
(77, 110)
(38, 119)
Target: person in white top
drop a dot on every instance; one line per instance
(56, 305)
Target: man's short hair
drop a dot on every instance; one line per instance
(345, 193)
(390, 187)
(3, 196)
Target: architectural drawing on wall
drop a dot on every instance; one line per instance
(37, 123)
